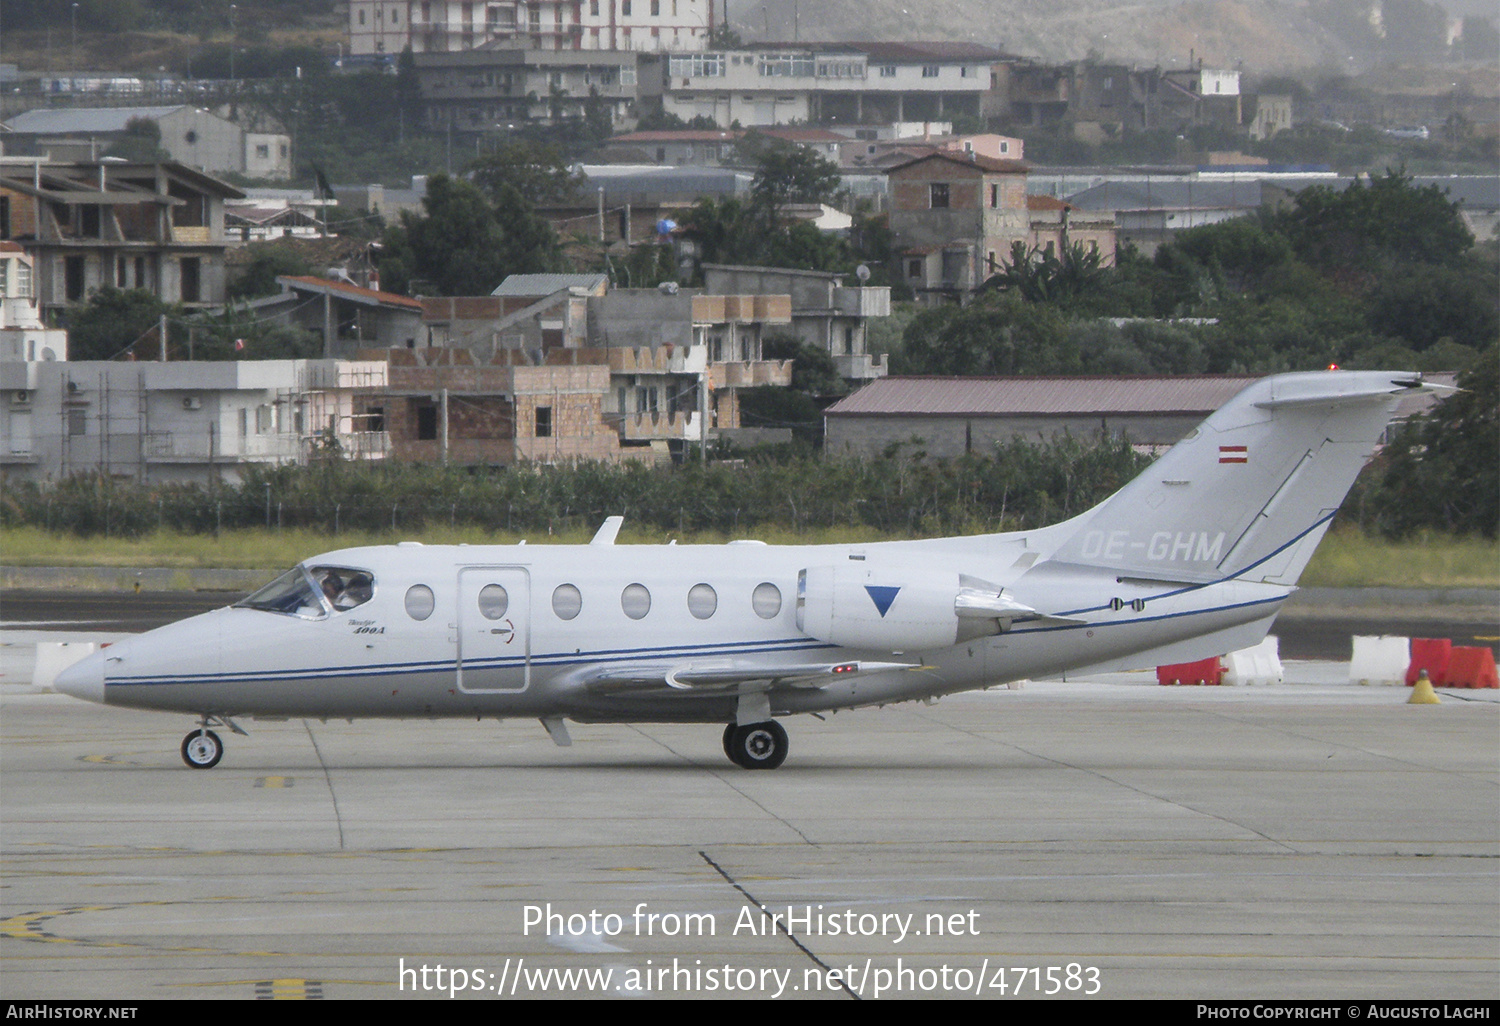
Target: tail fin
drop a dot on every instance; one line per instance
(1250, 492)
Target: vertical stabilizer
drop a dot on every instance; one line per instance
(1251, 491)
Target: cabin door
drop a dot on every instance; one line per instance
(494, 629)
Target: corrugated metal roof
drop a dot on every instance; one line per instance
(1040, 396)
(546, 284)
(85, 119)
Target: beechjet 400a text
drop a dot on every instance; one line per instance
(1191, 559)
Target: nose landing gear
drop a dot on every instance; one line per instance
(202, 749)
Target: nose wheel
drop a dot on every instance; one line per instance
(202, 749)
(756, 745)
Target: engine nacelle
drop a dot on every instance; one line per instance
(894, 607)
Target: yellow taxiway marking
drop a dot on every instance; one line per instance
(275, 781)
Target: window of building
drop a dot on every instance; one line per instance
(930, 71)
(625, 8)
(968, 72)
(4, 217)
(544, 422)
(656, 8)
(994, 197)
(361, 17)
(140, 272)
(427, 423)
(696, 65)
(73, 278)
(78, 421)
(887, 71)
(938, 195)
(263, 150)
(191, 288)
(375, 418)
(914, 268)
(593, 8)
(122, 272)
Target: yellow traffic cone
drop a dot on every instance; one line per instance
(1422, 693)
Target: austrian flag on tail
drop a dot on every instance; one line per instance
(1234, 454)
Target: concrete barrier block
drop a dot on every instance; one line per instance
(1379, 659)
(53, 657)
(1258, 665)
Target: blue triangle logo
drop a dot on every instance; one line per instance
(882, 597)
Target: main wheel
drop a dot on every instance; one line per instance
(758, 745)
(729, 742)
(202, 749)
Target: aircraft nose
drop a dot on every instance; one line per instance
(84, 679)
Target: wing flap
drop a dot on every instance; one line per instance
(699, 678)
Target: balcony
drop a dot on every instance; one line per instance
(742, 309)
(863, 302)
(749, 374)
(860, 366)
(642, 427)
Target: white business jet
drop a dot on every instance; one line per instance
(1190, 560)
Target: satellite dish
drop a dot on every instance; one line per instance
(862, 273)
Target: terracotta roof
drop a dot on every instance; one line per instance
(928, 51)
(1040, 396)
(682, 135)
(12, 247)
(345, 289)
(1046, 203)
(804, 135)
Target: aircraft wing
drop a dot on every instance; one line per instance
(688, 677)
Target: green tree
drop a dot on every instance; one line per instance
(113, 321)
(270, 261)
(1375, 224)
(1444, 472)
(463, 245)
(791, 174)
(538, 173)
(141, 143)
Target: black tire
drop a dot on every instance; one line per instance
(202, 749)
(729, 743)
(759, 745)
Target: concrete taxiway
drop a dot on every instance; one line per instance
(1312, 839)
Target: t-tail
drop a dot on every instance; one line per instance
(1249, 493)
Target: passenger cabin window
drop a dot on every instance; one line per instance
(419, 602)
(766, 600)
(635, 600)
(566, 601)
(702, 601)
(493, 601)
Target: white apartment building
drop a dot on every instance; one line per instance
(379, 27)
(850, 83)
(23, 336)
(180, 421)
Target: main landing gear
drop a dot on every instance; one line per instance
(756, 745)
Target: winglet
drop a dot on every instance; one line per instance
(607, 531)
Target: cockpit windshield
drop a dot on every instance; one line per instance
(313, 592)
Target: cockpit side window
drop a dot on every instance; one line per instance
(313, 592)
(343, 587)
